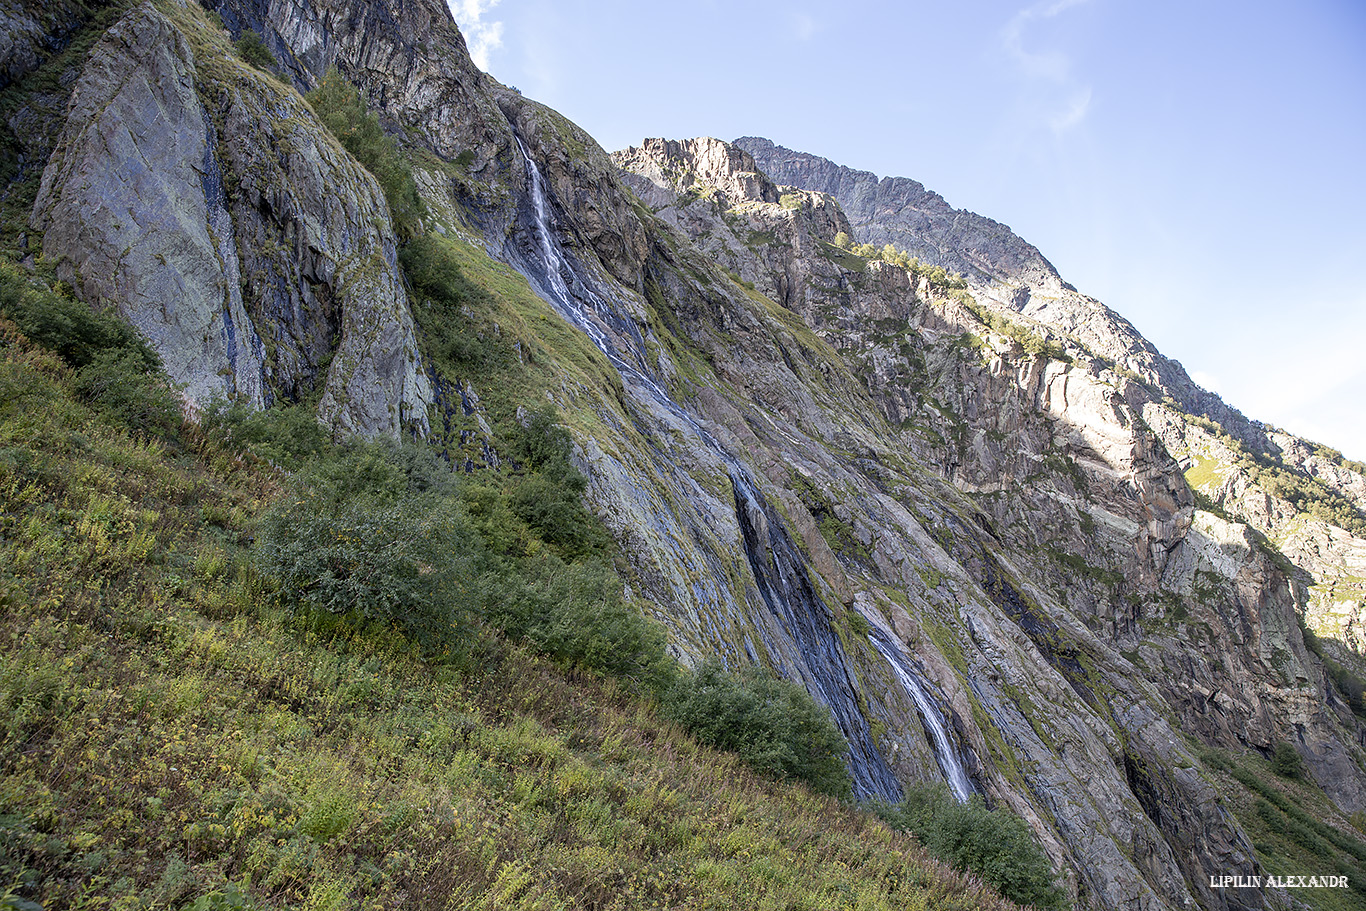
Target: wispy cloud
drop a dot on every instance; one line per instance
(1073, 114)
(483, 38)
(1052, 67)
(803, 26)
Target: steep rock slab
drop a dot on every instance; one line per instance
(125, 208)
(252, 274)
(1024, 675)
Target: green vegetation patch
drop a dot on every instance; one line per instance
(838, 534)
(773, 725)
(1026, 337)
(1288, 818)
(994, 844)
(938, 276)
(344, 112)
(252, 48)
(1206, 472)
(1307, 494)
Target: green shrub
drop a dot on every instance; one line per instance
(994, 844)
(1286, 761)
(226, 899)
(774, 725)
(119, 384)
(343, 111)
(286, 435)
(252, 48)
(65, 325)
(548, 496)
(574, 613)
(365, 534)
(117, 372)
(444, 294)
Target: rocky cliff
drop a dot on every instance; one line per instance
(1000, 265)
(961, 515)
(1305, 499)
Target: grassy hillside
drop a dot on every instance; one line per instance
(181, 732)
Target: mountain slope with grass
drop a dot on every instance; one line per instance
(184, 730)
(463, 389)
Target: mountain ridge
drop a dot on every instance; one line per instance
(1004, 266)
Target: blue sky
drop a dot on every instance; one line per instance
(1195, 165)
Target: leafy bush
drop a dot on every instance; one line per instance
(890, 253)
(65, 325)
(374, 533)
(287, 435)
(118, 383)
(994, 844)
(574, 613)
(549, 495)
(117, 372)
(343, 111)
(252, 48)
(1286, 761)
(774, 725)
(444, 294)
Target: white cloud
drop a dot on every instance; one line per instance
(803, 26)
(1075, 113)
(483, 38)
(1051, 67)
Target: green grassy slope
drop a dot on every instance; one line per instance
(176, 734)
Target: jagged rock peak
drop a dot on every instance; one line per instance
(901, 211)
(1005, 271)
(679, 165)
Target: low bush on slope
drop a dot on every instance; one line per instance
(993, 844)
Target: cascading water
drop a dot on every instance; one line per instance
(779, 572)
(787, 591)
(950, 763)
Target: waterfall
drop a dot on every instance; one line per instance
(950, 763)
(774, 559)
(787, 591)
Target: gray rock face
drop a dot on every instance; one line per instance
(1080, 494)
(410, 60)
(125, 208)
(252, 275)
(1001, 267)
(902, 212)
(406, 56)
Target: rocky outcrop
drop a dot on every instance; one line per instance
(902, 212)
(125, 209)
(252, 275)
(1003, 269)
